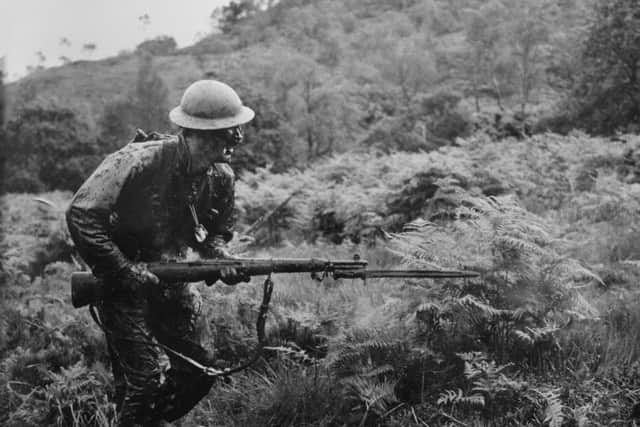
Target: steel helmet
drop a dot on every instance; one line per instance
(209, 105)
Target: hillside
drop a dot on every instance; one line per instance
(327, 77)
(89, 85)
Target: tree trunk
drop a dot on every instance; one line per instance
(306, 95)
(496, 88)
(524, 83)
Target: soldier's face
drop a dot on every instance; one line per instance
(215, 151)
(219, 145)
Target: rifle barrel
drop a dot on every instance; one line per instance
(430, 274)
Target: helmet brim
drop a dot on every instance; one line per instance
(184, 120)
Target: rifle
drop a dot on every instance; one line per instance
(87, 289)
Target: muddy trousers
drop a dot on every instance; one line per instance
(145, 394)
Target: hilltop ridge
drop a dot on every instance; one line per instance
(327, 77)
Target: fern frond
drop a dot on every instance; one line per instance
(293, 351)
(524, 337)
(576, 272)
(418, 225)
(429, 307)
(471, 302)
(449, 397)
(474, 356)
(475, 400)
(472, 371)
(525, 247)
(360, 357)
(554, 410)
(377, 396)
(378, 371)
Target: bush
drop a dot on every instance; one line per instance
(50, 149)
(161, 45)
(19, 180)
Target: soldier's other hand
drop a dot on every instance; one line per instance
(217, 252)
(231, 276)
(137, 277)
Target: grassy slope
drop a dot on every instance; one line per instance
(28, 227)
(90, 85)
(595, 367)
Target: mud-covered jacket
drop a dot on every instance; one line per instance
(135, 206)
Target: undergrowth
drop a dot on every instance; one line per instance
(546, 335)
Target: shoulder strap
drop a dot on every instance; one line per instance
(142, 136)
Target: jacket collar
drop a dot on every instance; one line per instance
(185, 161)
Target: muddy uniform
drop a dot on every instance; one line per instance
(135, 208)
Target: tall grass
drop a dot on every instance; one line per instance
(546, 336)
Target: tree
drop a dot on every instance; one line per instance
(3, 147)
(117, 124)
(51, 149)
(146, 108)
(89, 48)
(531, 22)
(434, 17)
(567, 43)
(144, 19)
(311, 102)
(409, 68)
(2, 93)
(151, 97)
(3, 153)
(484, 32)
(608, 90)
(161, 45)
(225, 18)
(145, 22)
(41, 58)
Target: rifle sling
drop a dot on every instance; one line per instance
(210, 370)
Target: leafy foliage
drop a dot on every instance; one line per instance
(327, 77)
(607, 89)
(56, 149)
(161, 45)
(145, 108)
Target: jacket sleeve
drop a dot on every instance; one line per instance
(220, 225)
(92, 212)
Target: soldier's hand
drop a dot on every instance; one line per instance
(219, 252)
(231, 276)
(137, 277)
(228, 275)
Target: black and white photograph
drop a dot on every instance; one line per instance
(319, 213)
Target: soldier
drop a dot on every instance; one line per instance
(149, 201)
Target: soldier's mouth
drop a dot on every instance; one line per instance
(227, 152)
